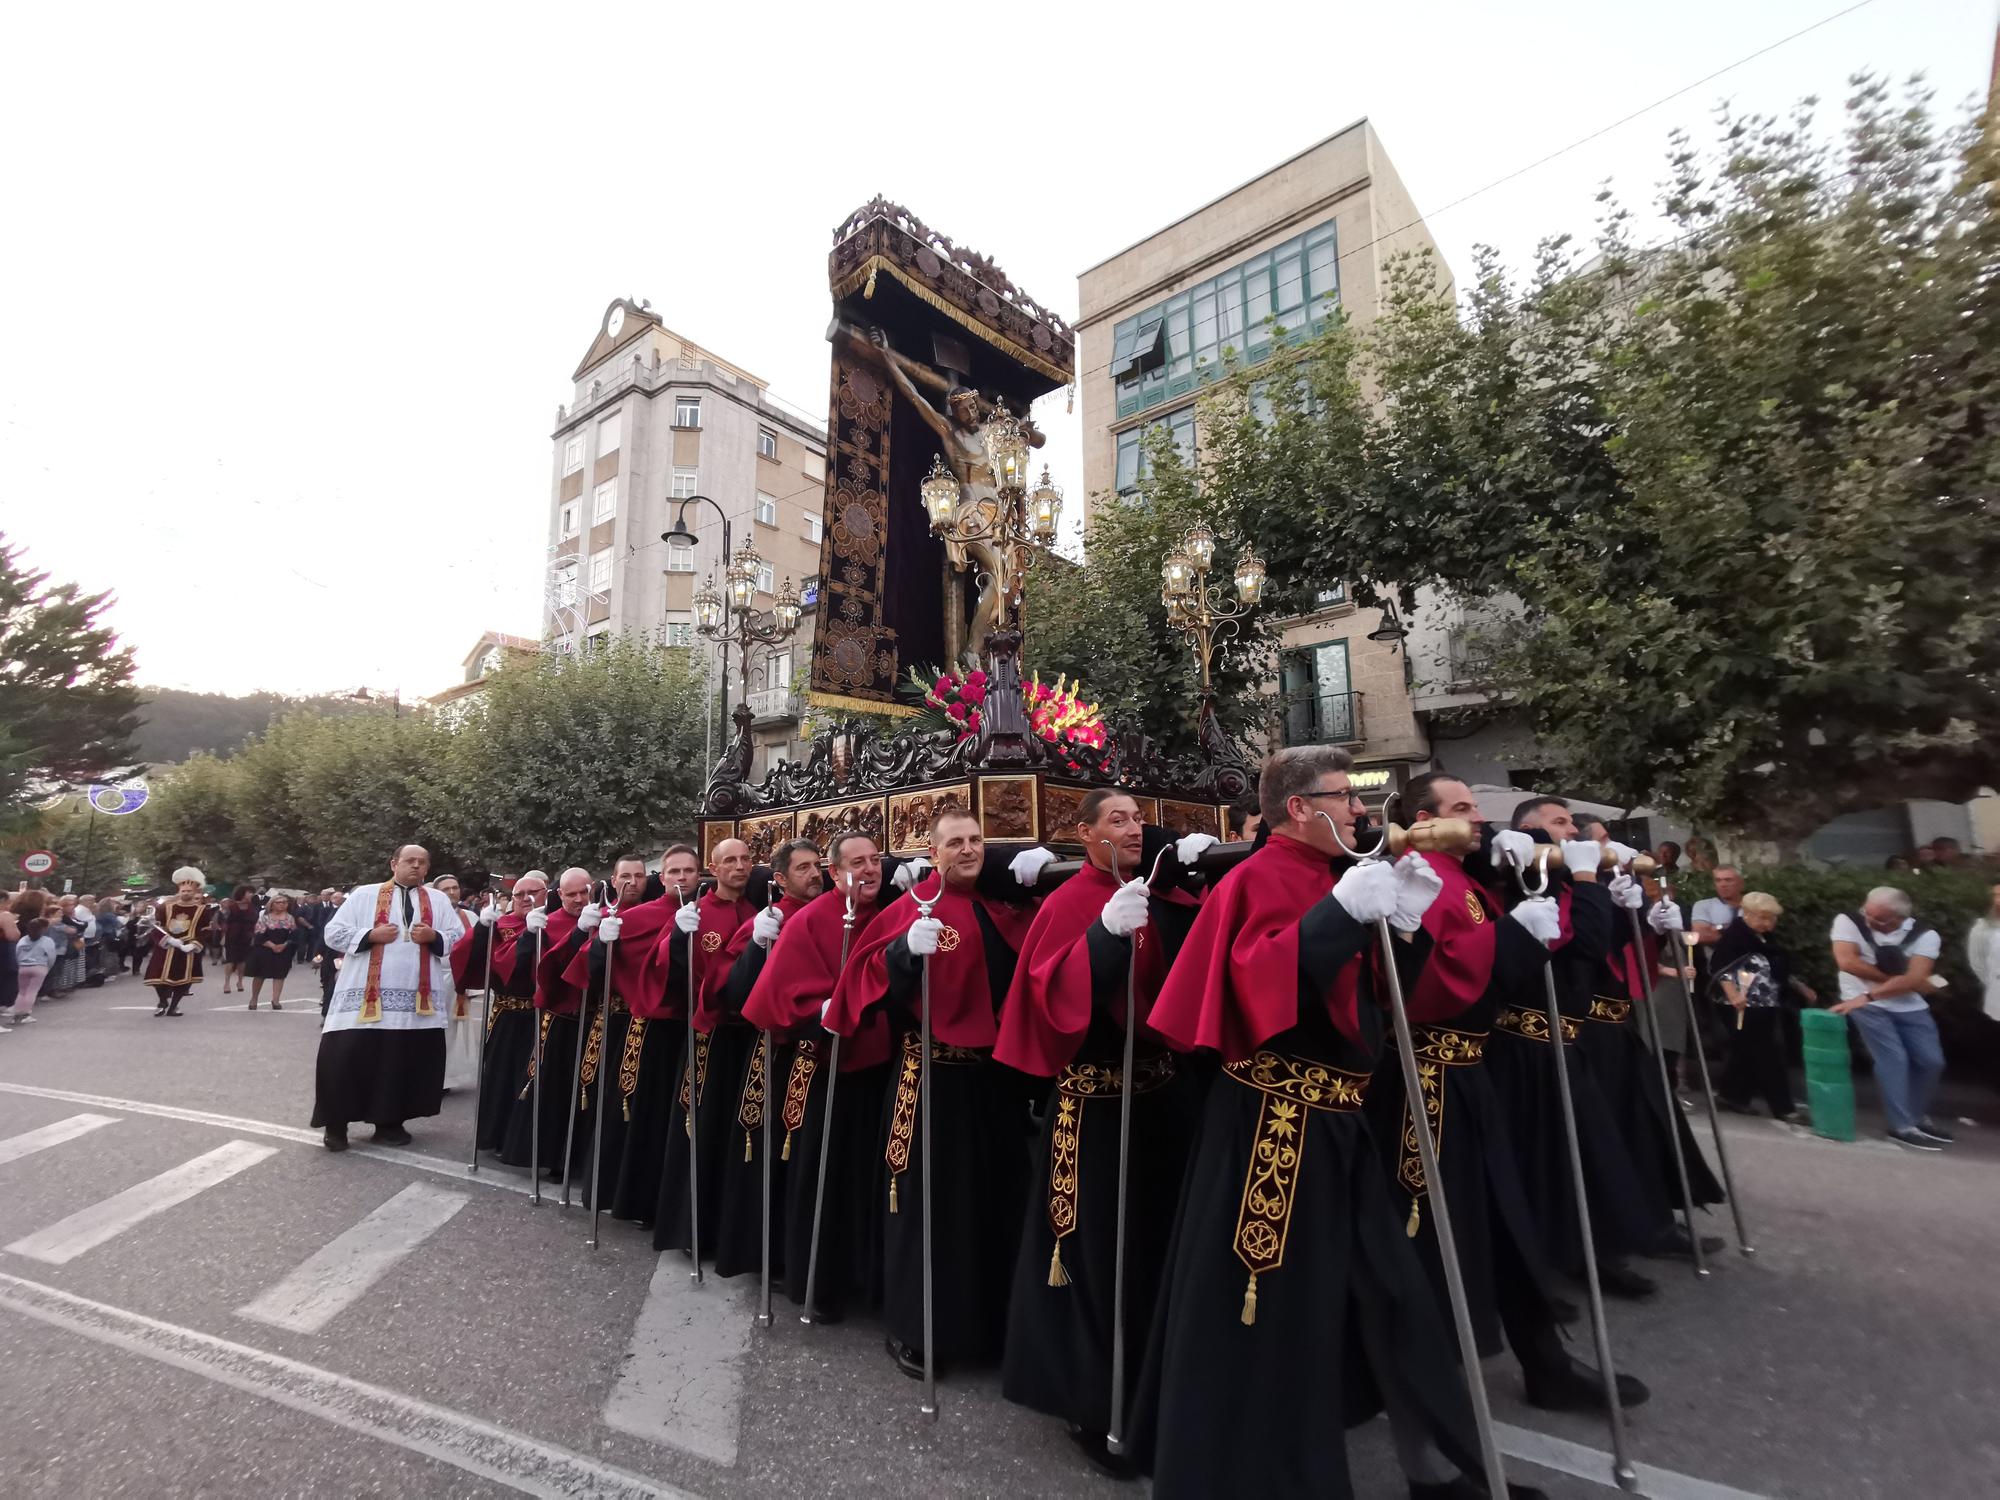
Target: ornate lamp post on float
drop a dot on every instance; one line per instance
(1201, 611)
(1012, 524)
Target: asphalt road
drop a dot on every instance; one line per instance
(159, 1191)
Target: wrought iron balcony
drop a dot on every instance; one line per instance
(769, 705)
(1310, 717)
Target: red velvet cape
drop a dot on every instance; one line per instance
(711, 1008)
(804, 964)
(506, 932)
(638, 973)
(1463, 925)
(552, 991)
(719, 921)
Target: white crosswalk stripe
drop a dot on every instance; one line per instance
(340, 1271)
(86, 1229)
(29, 1142)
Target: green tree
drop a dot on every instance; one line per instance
(67, 703)
(192, 818)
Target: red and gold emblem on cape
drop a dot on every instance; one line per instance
(710, 941)
(1472, 907)
(948, 940)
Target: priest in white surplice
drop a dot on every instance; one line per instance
(382, 1045)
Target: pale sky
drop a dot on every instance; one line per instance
(290, 296)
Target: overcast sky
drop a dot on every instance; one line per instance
(292, 293)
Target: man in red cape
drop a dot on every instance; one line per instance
(1064, 1019)
(794, 987)
(557, 1003)
(979, 1122)
(649, 1066)
(696, 944)
(739, 1222)
(1470, 960)
(510, 1025)
(1293, 1302)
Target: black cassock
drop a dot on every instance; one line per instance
(649, 1080)
(510, 1029)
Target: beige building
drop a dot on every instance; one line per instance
(653, 419)
(489, 654)
(1313, 235)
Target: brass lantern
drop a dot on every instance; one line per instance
(742, 576)
(1249, 576)
(787, 607)
(940, 495)
(1199, 545)
(707, 607)
(1177, 574)
(1006, 443)
(1045, 502)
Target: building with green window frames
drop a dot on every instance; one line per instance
(1274, 258)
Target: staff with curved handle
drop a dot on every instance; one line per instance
(610, 941)
(597, 896)
(535, 1104)
(485, 1026)
(1114, 1437)
(930, 1402)
(1621, 1459)
(1454, 835)
(1708, 1088)
(826, 1120)
(1639, 966)
(692, 1082)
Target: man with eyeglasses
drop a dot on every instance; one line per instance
(1290, 1266)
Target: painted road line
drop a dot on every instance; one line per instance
(86, 1229)
(1580, 1461)
(341, 1270)
(488, 1176)
(17, 1146)
(682, 1380)
(244, 1010)
(512, 1459)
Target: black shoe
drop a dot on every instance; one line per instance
(159, 1012)
(1916, 1140)
(1676, 1244)
(334, 1140)
(909, 1361)
(1464, 1488)
(390, 1135)
(1574, 1386)
(1929, 1127)
(1092, 1446)
(1620, 1280)
(1795, 1117)
(1563, 1311)
(1730, 1107)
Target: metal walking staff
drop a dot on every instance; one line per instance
(535, 1105)
(1621, 1458)
(1454, 835)
(769, 1044)
(603, 1072)
(826, 1120)
(693, 1106)
(1114, 1434)
(576, 1073)
(1708, 1088)
(485, 1031)
(1666, 1084)
(930, 1403)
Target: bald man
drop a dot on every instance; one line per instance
(557, 1003)
(382, 1043)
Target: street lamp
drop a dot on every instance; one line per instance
(678, 535)
(745, 626)
(1199, 610)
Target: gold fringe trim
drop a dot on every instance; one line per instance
(862, 705)
(864, 275)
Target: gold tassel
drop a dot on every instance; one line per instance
(625, 1106)
(746, 1145)
(1057, 1275)
(786, 1153)
(868, 292)
(1250, 1301)
(1416, 1216)
(892, 1194)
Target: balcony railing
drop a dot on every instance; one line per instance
(774, 703)
(1310, 717)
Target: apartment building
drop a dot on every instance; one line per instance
(1311, 237)
(657, 427)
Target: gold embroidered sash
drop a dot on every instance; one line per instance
(700, 1081)
(501, 1005)
(1436, 1048)
(628, 1063)
(903, 1113)
(1288, 1087)
(371, 996)
(548, 1019)
(1077, 1083)
(1534, 1024)
(798, 1088)
(1615, 1012)
(593, 1054)
(750, 1108)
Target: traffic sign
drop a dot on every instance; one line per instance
(38, 862)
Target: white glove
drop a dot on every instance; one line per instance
(688, 918)
(764, 931)
(910, 872)
(184, 946)
(1189, 849)
(1417, 886)
(488, 915)
(1028, 864)
(1512, 847)
(1125, 913)
(1540, 917)
(1582, 856)
(538, 919)
(922, 938)
(825, 1009)
(609, 928)
(1367, 892)
(1665, 917)
(589, 917)
(1625, 852)
(1625, 891)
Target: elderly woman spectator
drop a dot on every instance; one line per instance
(1982, 950)
(1753, 977)
(271, 944)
